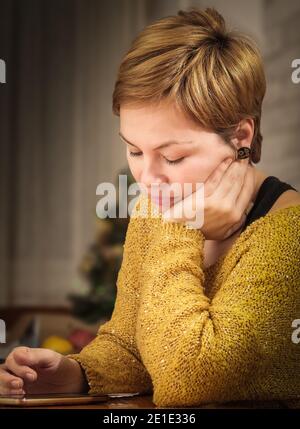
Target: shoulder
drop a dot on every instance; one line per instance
(268, 251)
(276, 234)
(284, 217)
(287, 199)
(282, 222)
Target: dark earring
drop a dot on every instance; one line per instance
(243, 152)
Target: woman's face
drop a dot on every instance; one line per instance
(150, 133)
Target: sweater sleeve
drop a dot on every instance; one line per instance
(112, 362)
(235, 345)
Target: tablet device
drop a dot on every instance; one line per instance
(58, 399)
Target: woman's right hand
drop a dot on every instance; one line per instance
(227, 199)
(36, 370)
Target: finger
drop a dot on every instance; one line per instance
(9, 392)
(232, 181)
(214, 179)
(243, 204)
(8, 380)
(186, 208)
(18, 369)
(35, 357)
(172, 214)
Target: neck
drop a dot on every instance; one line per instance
(259, 177)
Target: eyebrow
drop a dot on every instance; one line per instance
(165, 144)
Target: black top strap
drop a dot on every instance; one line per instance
(269, 191)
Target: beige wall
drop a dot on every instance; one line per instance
(281, 115)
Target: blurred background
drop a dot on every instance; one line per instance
(59, 140)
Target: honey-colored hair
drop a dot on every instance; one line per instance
(215, 76)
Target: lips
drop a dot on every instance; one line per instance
(162, 201)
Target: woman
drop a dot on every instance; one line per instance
(202, 314)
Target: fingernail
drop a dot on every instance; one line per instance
(30, 376)
(16, 384)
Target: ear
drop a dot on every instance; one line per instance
(244, 134)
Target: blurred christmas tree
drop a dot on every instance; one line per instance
(101, 264)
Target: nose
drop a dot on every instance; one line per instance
(151, 177)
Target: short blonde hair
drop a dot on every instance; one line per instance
(214, 75)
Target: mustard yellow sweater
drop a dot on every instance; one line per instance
(191, 335)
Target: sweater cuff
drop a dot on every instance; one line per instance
(172, 230)
(88, 372)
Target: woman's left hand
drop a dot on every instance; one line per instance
(221, 204)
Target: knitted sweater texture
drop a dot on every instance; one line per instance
(190, 335)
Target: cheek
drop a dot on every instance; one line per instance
(197, 171)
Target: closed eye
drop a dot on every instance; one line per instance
(168, 161)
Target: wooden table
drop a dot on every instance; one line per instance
(145, 402)
(138, 402)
